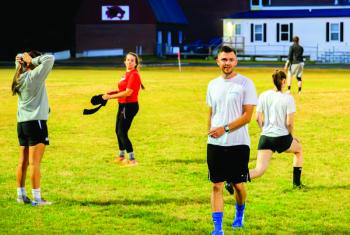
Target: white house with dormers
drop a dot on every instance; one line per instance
(268, 28)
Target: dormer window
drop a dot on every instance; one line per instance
(260, 3)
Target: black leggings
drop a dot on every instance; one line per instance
(125, 115)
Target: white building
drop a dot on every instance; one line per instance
(324, 30)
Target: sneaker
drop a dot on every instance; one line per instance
(119, 159)
(131, 163)
(301, 186)
(229, 188)
(218, 232)
(239, 218)
(23, 200)
(42, 202)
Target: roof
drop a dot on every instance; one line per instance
(291, 14)
(168, 11)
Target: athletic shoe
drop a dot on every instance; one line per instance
(301, 186)
(229, 188)
(239, 218)
(218, 232)
(131, 163)
(42, 202)
(23, 200)
(119, 159)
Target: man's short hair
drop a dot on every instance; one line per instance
(296, 39)
(227, 49)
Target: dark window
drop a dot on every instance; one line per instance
(255, 2)
(284, 32)
(266, 2)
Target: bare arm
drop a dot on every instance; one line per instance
(209, 117)
(260, 119)
(290, 123)
(236, 124)
(120, 94)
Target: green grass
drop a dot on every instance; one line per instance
(168, 193)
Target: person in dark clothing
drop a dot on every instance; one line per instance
(295, 64)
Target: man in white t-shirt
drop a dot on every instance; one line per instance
(231, 99)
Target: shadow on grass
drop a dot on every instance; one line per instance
(141, 202)
(185, 161)
(318, 187)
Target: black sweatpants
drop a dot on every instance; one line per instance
(125, 115)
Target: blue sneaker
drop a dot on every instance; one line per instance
(23, 200)
(239, 218)
(42, 202)
(218, 232)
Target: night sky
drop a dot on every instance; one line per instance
(37, 25)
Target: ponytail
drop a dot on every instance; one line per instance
(277, 77)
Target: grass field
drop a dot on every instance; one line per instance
(168, 192)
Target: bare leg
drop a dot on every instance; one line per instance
(262, 163)
(241, 193)
(296, 148)
(22, 167)
(36, 153)
(217, 199)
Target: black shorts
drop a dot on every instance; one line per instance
(279, 144)
(228, 163)
(31, 133)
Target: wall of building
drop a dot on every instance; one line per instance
(126, 36)
(301, 2)
(312, 33)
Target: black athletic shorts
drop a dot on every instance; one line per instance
(279, 144)
(228, 163)
(31, 133)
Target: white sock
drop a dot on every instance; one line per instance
(21, 192)
(122, 153)
(36, 194)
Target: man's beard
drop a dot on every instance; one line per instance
(227, 71)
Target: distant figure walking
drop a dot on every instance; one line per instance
(295, 64)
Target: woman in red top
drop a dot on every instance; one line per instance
(127, 95)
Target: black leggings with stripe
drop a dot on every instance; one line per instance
(125, 115)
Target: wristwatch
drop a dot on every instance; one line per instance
(227, 129)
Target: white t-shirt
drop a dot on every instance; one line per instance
(226, 97)
(275, 106)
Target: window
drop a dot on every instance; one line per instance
(284, 32)
(159, 37)
(237, 29)
(334, 32)
(169, 38)
(255, 2)
(180, 37)
(258, 32)
(266, 2)
(261, 2)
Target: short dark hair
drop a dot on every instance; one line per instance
(226, 49)
(277, 77)
(296, 39)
